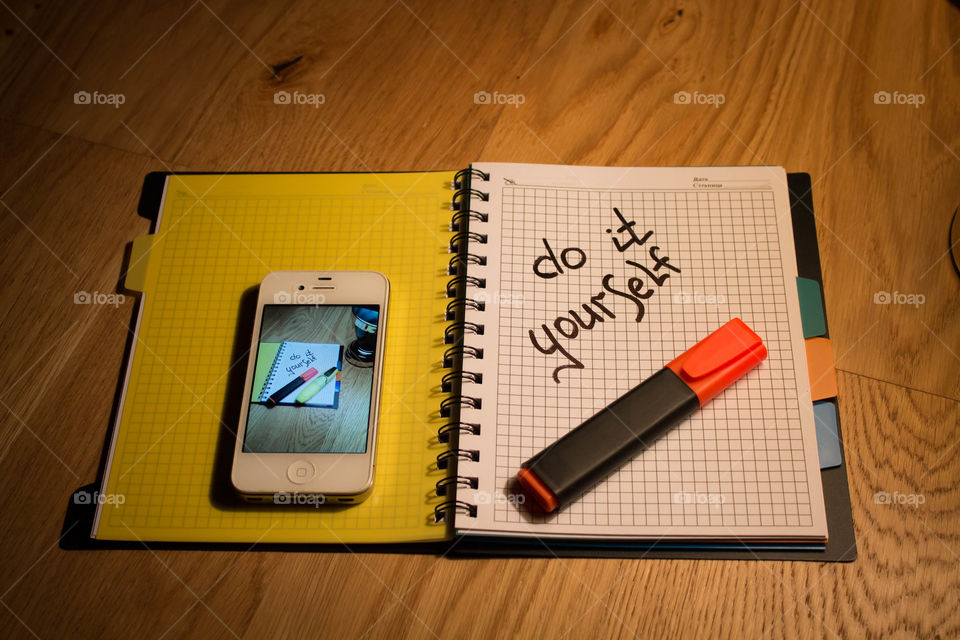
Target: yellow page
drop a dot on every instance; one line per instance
(217, 237)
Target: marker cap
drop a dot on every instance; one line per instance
(717, 361)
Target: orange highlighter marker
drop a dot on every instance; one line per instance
(562, 472)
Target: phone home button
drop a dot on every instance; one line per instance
(301, 471)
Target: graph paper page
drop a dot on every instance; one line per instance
(706, 245)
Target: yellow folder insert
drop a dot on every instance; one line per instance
(217, 237)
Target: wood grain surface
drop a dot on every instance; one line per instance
(862, 95)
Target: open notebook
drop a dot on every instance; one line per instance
(512, 320)
(565, 333)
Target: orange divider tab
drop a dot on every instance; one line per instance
(820, 367)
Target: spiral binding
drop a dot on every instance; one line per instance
(453, 267)
(453, 358)
(460, 196)
(453, 311)
(444, 484)
(449, 356)
(460, 236)
(460, 176)
(453, 282)
(459, 220)
(446, 383)
(450, 334)
(453, 403)
(445, 459)
(442, 510)
(444, 433)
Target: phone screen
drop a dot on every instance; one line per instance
(313, 379)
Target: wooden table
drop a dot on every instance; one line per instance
(863, 96)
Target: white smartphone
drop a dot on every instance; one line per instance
(308, 422)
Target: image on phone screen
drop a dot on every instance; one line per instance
(313, 379)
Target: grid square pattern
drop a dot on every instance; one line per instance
(737, 462)
(219, 236)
